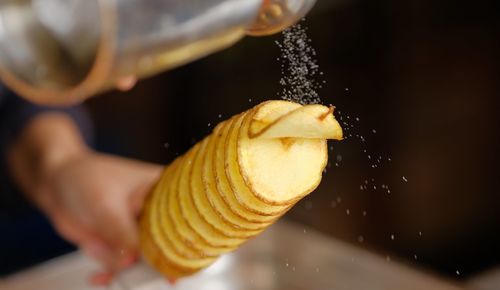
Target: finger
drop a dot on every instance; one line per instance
(99, 251)
(129, 260)
(116, 225)
(102, 279)
(148, 181)
(126, 83)
(87, 241)
(69, 229)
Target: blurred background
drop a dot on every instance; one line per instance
(421, 76)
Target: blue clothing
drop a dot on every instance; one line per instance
(26, 236)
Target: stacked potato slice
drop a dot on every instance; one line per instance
(235, 183)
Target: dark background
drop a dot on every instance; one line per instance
(424, 74)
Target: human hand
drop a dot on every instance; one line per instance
(92, 199)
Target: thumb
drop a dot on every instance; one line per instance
(118, 229)
(148, 179)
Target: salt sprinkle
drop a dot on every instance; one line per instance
(300, 69)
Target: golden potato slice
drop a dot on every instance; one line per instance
(202, 205)
(223, 185)
(267, 112)
(149, 249)
(311, 122)
(162, 241)
(282, 170)
(243, 193)
(194, 218)
(187, 234)
(155, 256)
(215, 198)
(166, 189)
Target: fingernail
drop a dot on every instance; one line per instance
(101, 279)
(128, 261)
(172, 281)
(95, 250)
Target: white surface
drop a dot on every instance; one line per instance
(285, 257)
(70, 272)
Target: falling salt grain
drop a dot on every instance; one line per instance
(361, 239)
(405, 179)
(348, 212)
(392, 237)
(166, 145)
(299, 67)
(374, 131)
(364, 213)
(458, 272)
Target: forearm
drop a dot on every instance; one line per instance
(46, 142)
